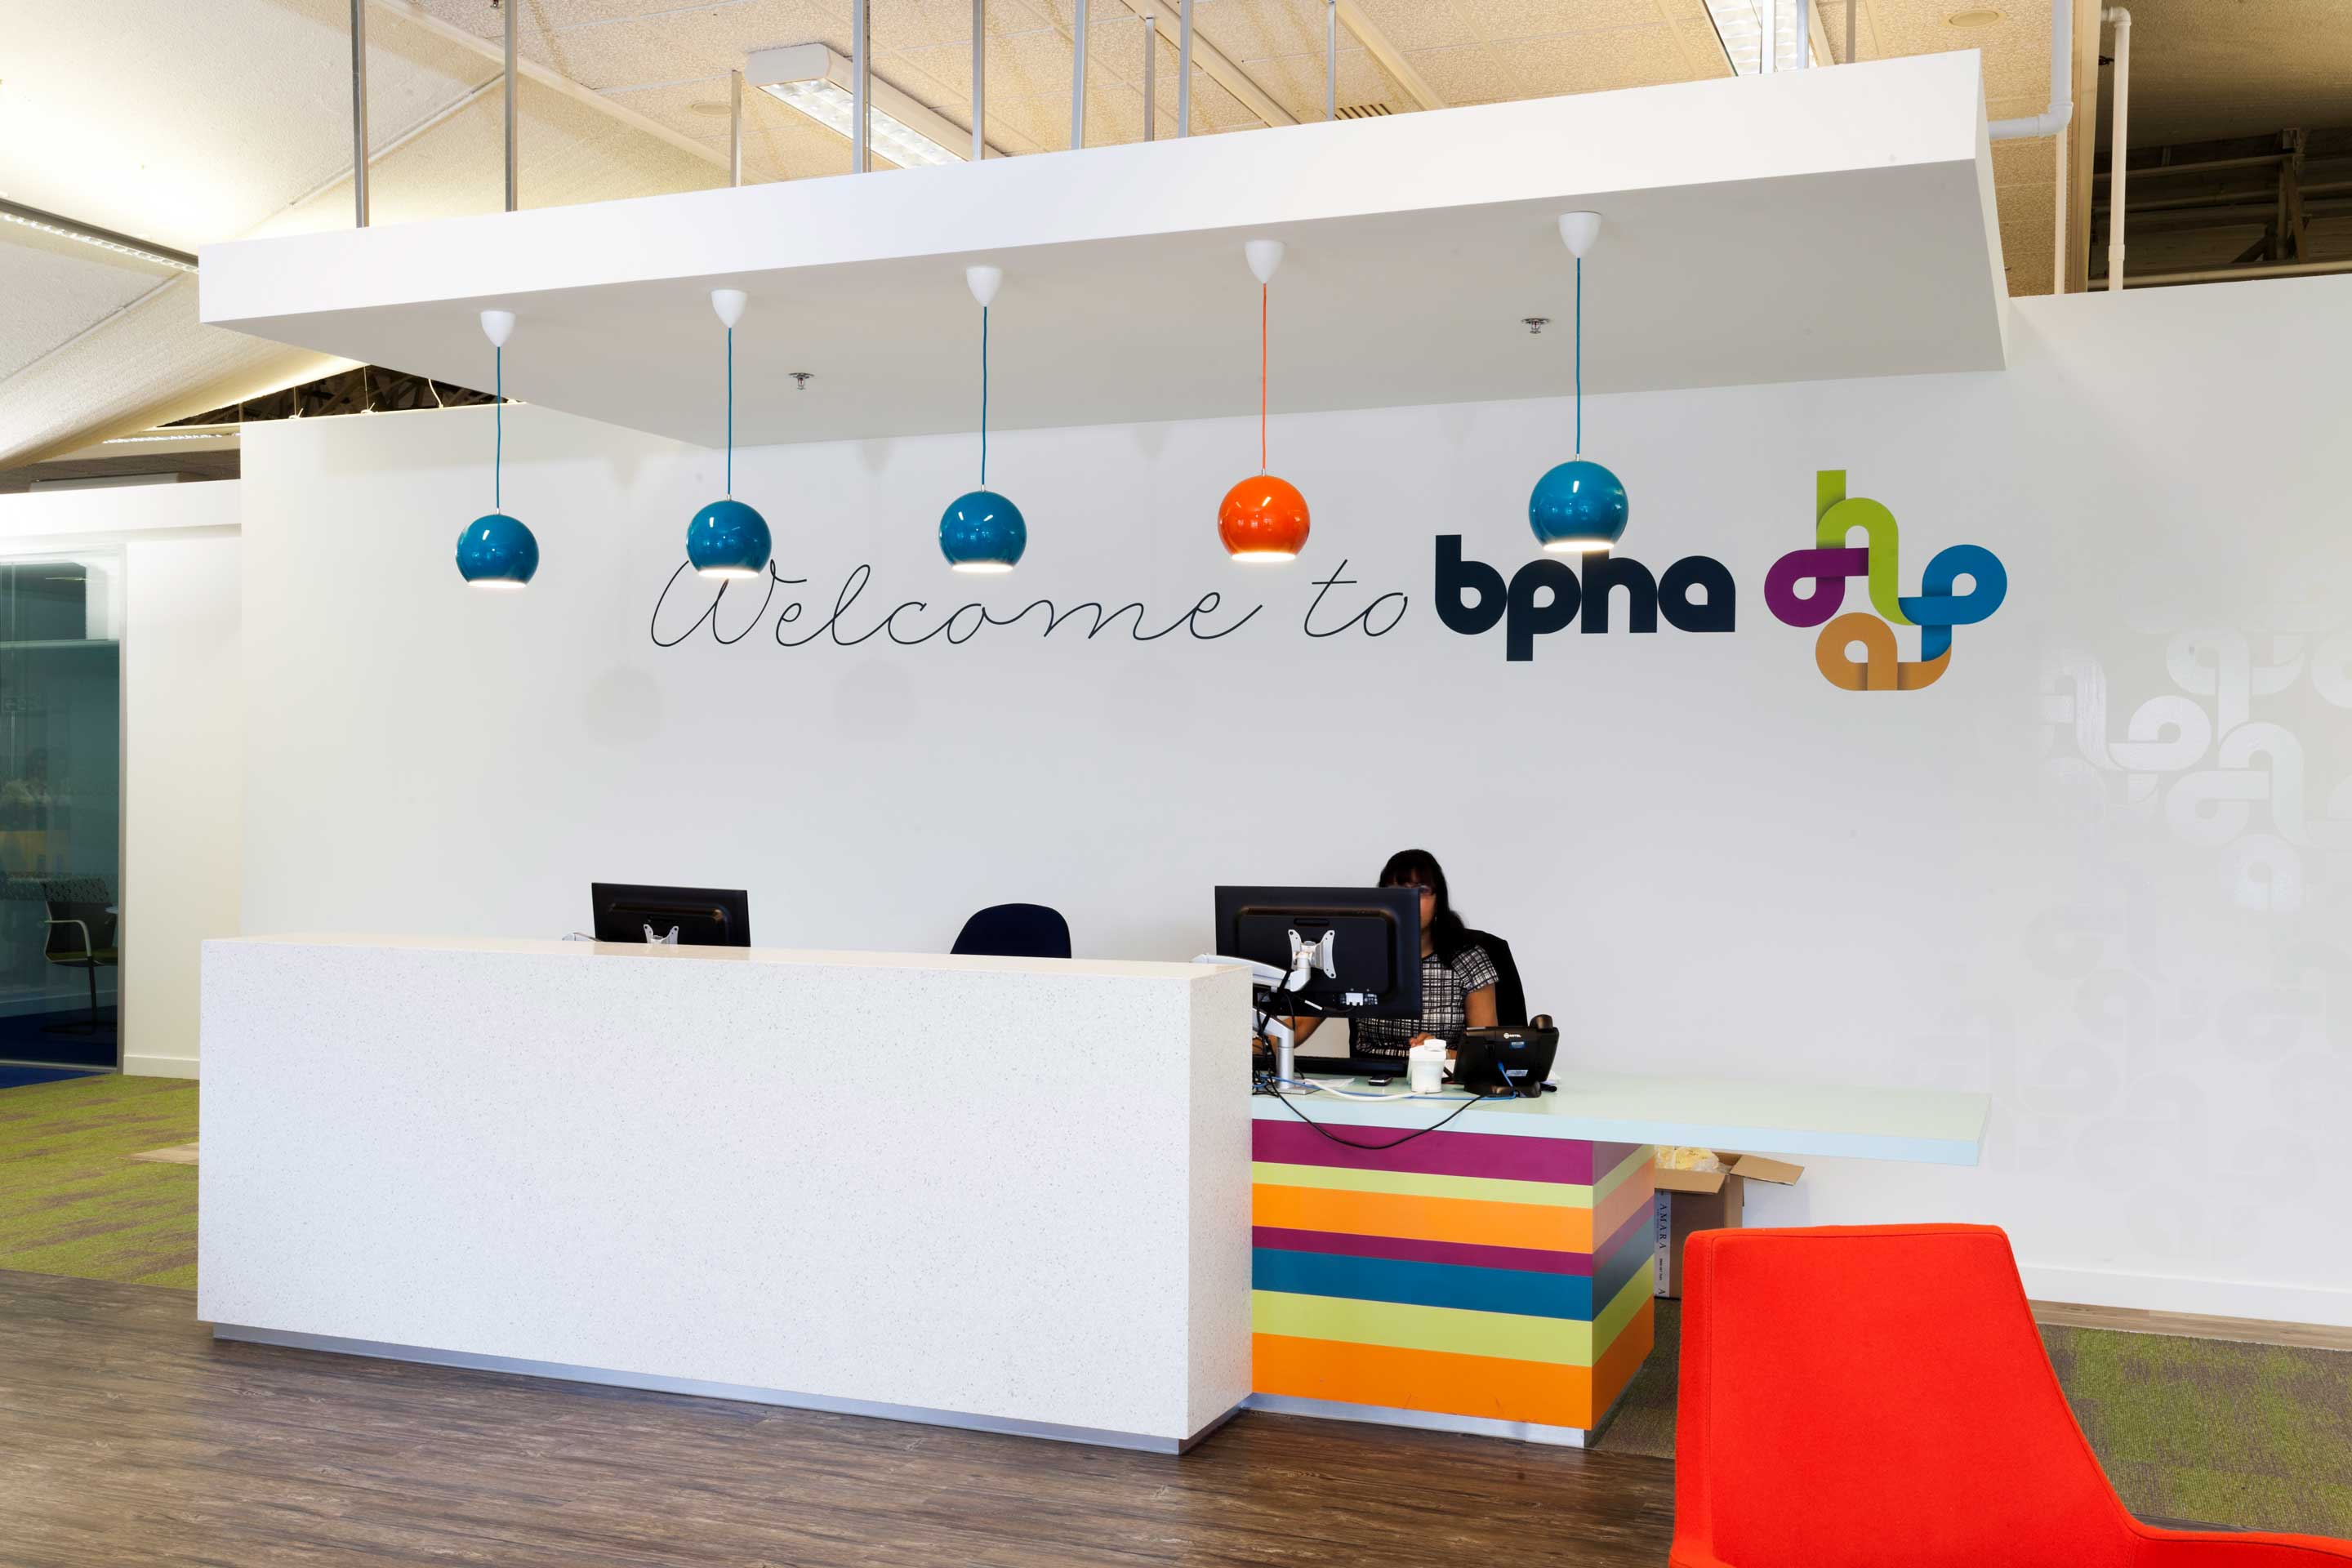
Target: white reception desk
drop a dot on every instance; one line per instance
(882, 1184)
(1015, 1195)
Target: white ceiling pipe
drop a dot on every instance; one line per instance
(2052, 121)
(978, 80)
(861, 88)
(1184, 67)
(2119, 145)
(2231, 273)
(359, 111)
(735, 128)
(514, 109)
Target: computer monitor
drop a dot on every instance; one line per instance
(702, 917)
(1375, 948)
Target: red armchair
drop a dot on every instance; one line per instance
(1879, 1398)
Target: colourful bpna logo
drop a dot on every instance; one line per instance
(1935, 609)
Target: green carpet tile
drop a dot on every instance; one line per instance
(73, 1202)
(2253, 1437)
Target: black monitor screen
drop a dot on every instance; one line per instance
(1376, 946)
(702, 917)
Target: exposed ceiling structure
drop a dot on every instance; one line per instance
(2240, 136)
(2203, 70)
(188, 125)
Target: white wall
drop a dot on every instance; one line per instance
(1707, 858)
(183, 762)
(182, 735)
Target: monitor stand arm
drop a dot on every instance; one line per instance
(1273, 985)
(1285, 1047)
(1307, 957)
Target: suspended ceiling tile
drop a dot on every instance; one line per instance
(1704, 50)
(923, 24)
(1216, 109)
(1030, 65)
(1362, 81)
(1468, 73)
(946, 69)
(1114, 115)
(1114, 45)
(1418, 24)
(1505, 19)
(544, 17)
(2027, 163)
(2028, 219)
(1598, 62)
(57, 287)
(788, 145)
(937, 78)
(1263, 29)
(696, 108)
(668, 47)
(1043, 122)
(1856, 200)
(1297, 83)
(2019, 105)
(567, 152)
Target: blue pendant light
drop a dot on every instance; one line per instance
(496, 551)
(982, 530)
(728, 539)
(1579, 507)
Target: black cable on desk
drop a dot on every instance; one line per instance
(1373, 1148)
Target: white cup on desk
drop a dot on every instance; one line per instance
(1425, 1066)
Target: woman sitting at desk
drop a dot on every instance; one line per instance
(1457, 974)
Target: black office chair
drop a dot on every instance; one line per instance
(80, 936)
(1510, 996)
(1015, 930)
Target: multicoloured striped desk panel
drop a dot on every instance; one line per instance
(1494, 1274)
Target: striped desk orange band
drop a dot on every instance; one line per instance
(1479, 1277)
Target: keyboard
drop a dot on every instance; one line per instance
(1350, 1067)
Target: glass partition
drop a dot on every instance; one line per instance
(60, 807)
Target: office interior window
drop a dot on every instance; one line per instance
(60, 808)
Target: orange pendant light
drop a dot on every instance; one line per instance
(1263, 518)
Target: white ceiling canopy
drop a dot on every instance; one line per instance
(1811, 223)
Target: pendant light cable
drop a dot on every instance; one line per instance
(499, 450)
(1263, 291)
(731, 413)
(983, 397)
(1579, 356)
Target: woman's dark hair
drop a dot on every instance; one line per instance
(1419, 868)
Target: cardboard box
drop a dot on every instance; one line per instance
(1705, 1199)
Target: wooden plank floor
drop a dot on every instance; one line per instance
(128, 1435)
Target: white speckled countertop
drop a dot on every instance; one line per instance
(876, 1178)
(964, 963)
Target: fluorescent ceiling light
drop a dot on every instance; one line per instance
(820, 84)
(142, 440)
(1739, 26)
(91, 233)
